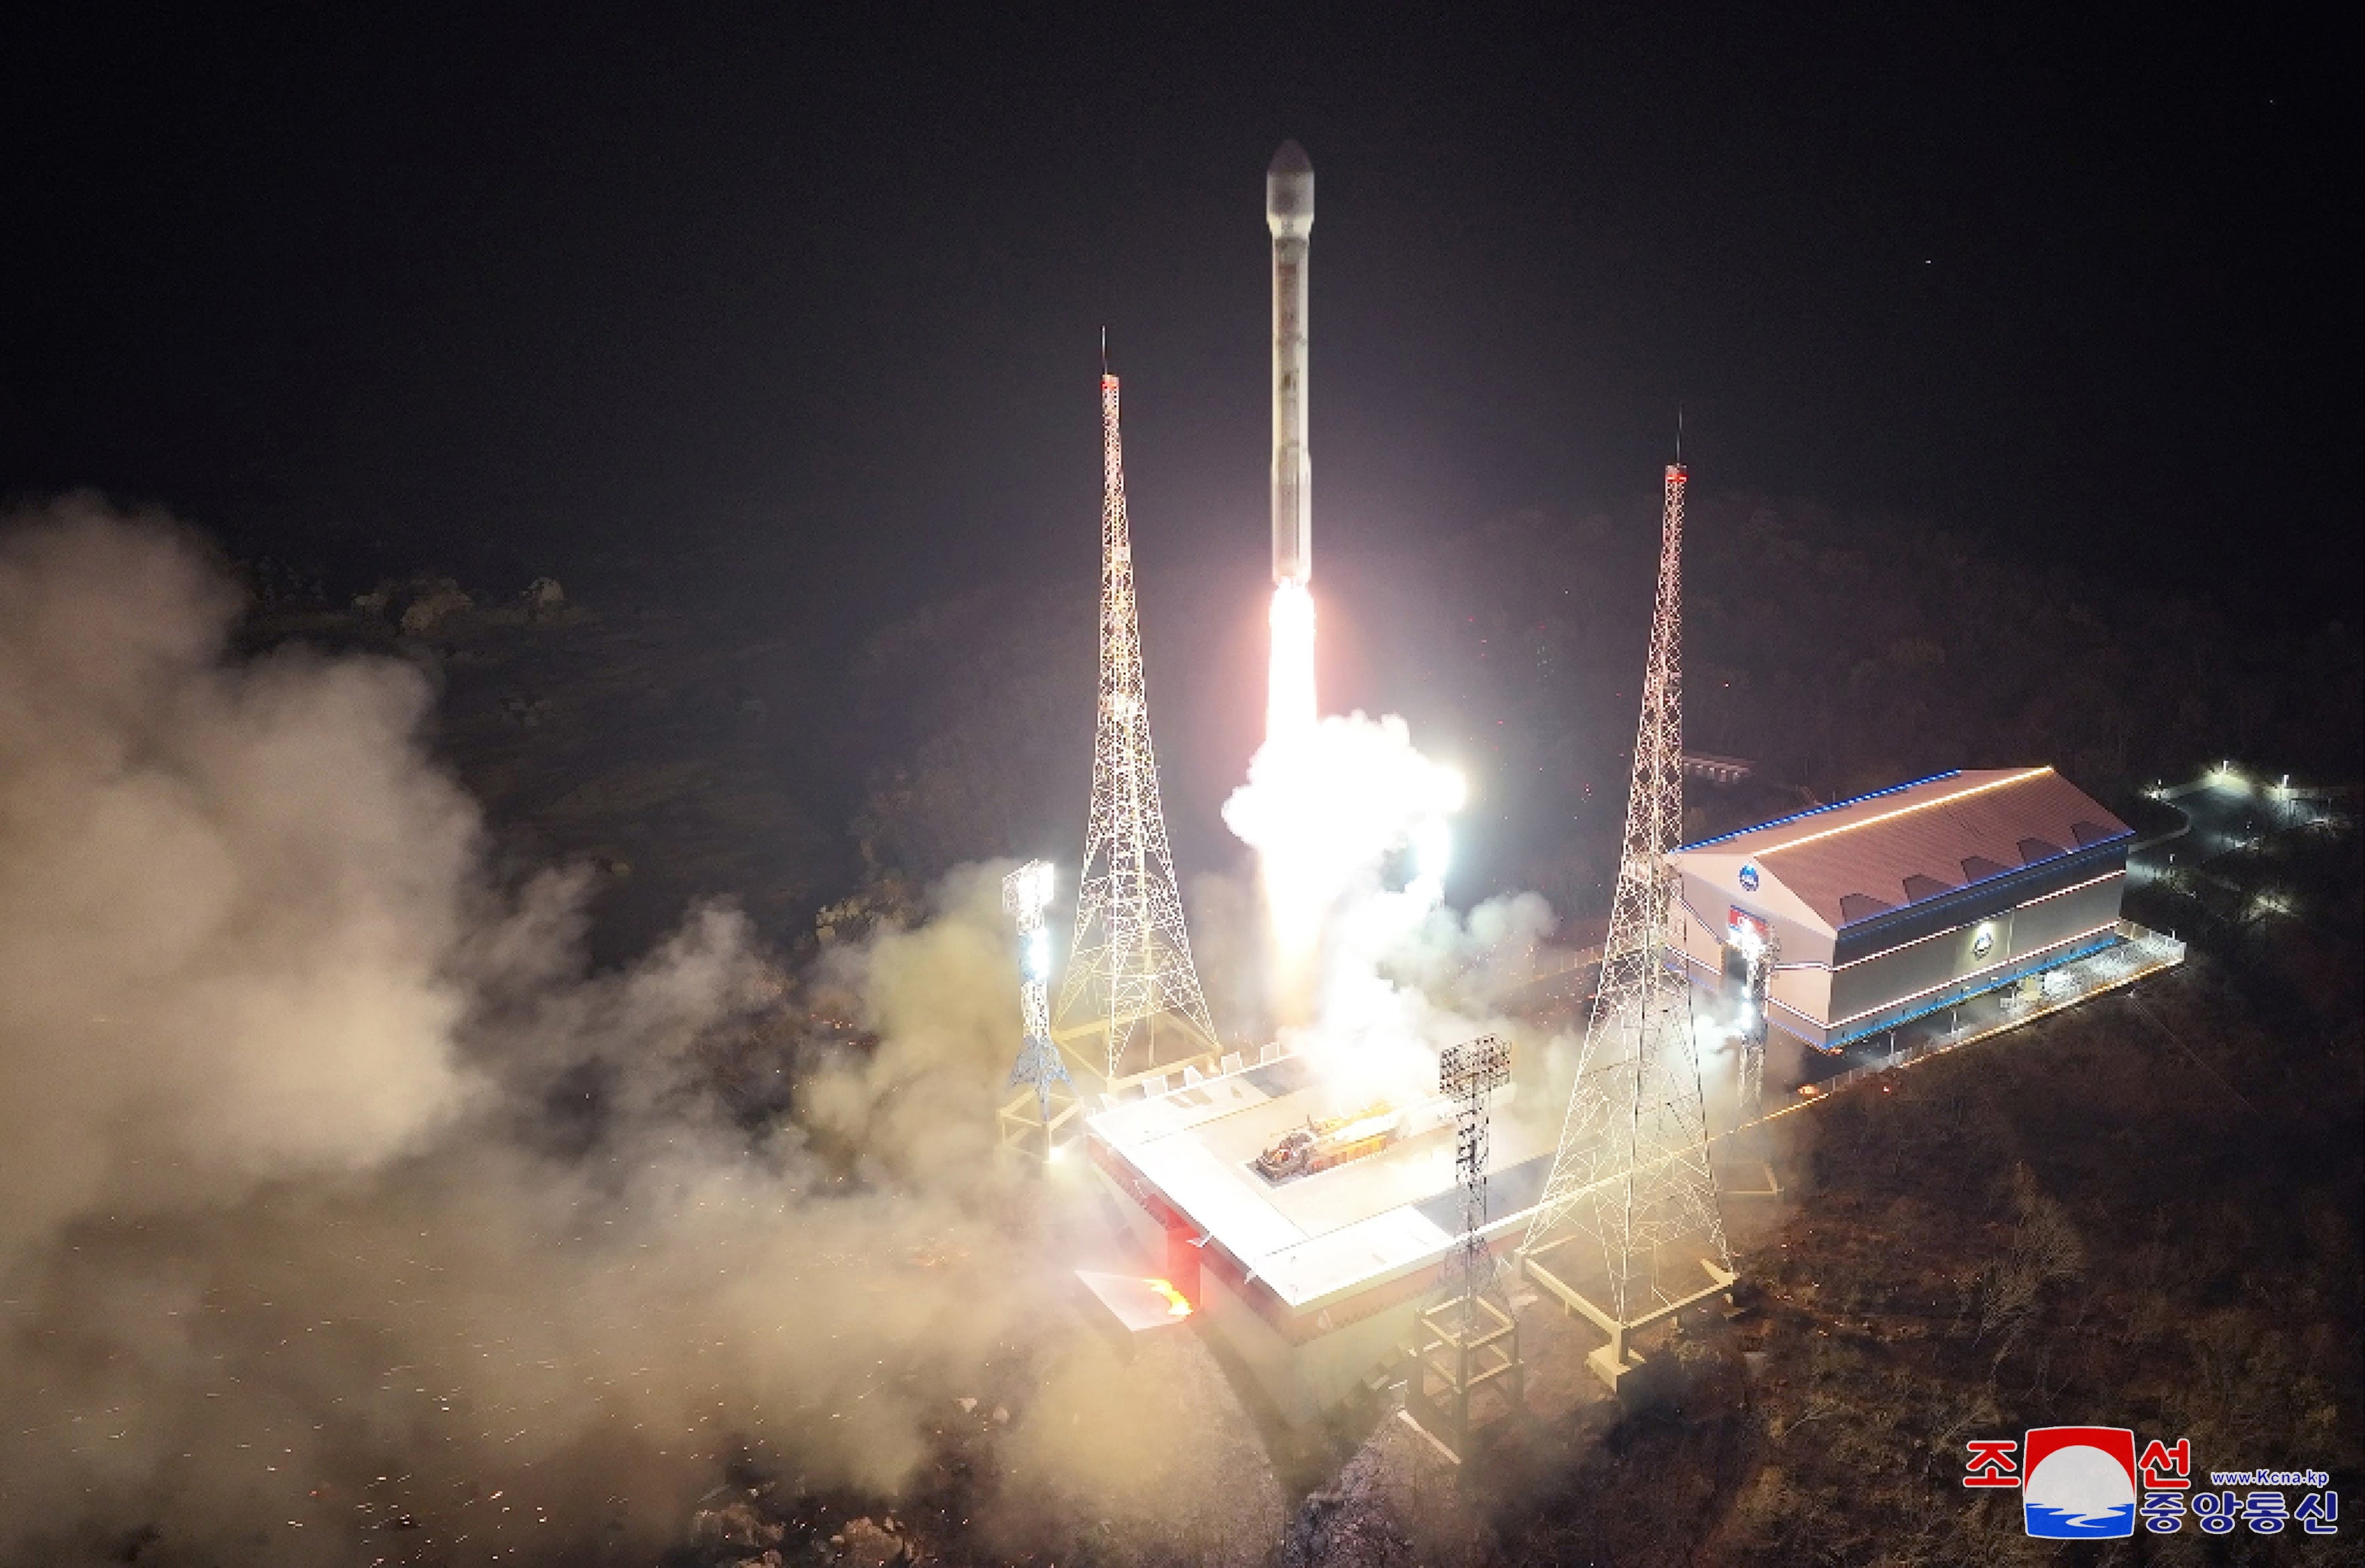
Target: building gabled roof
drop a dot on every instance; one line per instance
(1855, 859)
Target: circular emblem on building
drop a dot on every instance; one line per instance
(1748, 878)
(1983, 944)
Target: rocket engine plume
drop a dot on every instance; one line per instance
(1289, 707)
(1289, 685)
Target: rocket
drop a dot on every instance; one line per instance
(1289, 213)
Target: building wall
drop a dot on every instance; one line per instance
(1261, 1347)
(1993, 941)
(1832, 980)
(1928, 964)
(1800, 997)
(1797, 991)
(1302, 1379)
(1928, 949)
(1706, 907)
(1968, 905)
(2064, 914)
(1692, 933)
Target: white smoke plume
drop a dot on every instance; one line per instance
(1335, 798)
(1389, 974)
(1324, 806)
(345, 1215)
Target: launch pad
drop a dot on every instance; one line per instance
(1316, 1282)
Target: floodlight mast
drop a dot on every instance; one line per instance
(1468, 1343)
(1632, 1178)
(1129, 967)
(1025, 894)
(1466, 1074)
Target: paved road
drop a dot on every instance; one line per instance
(2222, 813)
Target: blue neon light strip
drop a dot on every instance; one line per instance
(2000, 978)
(1818, 811)
(2004, 978)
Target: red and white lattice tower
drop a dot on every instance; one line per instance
(1628, 1231)
(1130, 984)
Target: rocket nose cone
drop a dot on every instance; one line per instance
(1289, 191)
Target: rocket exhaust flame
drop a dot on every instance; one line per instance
(1324, 805)
(1298, 891)
(1326, 799)
(1289, 690)
(1294, 898)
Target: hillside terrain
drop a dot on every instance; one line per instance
(2144, 1211)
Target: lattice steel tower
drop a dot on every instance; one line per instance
(1629, 1219)
(1130, 980)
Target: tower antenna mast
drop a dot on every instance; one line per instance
(1631, 1195)
(1131, 978)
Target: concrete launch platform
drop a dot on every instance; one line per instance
(1314, 1282)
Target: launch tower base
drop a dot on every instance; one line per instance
(1463, 1348)
(1027, 1134)
(1612, 1363)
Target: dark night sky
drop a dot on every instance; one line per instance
(2090, 287)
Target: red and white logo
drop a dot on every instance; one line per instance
(2078, 1482)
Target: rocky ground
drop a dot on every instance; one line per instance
(1097, 1453)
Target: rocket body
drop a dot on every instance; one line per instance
(1289, 213)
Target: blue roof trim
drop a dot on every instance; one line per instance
(2049, 863)
(1818, 811)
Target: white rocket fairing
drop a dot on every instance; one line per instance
(1289, 213)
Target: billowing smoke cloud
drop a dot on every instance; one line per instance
(1324, 805)
(1336, 797)
(345, 1215)
(227, 902)
(1389, 972)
